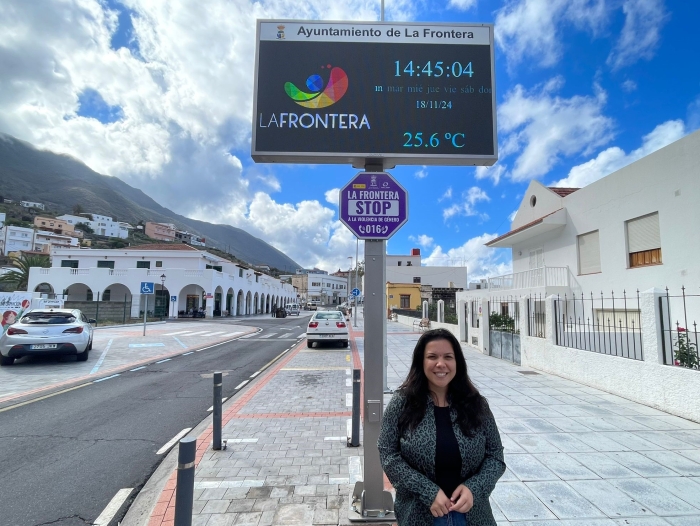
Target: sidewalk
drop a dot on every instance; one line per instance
(575, 455)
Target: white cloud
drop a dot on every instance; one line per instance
(446, 195)
(533, 28)
(492, 172)
(467, 207)
(462, 5)
(512, 215)
(422, 173)
(641, 33)
(543, 127)
(480, 260)
(629, 86)
(333, 196)
(614, 158)
(693, 117)
(423, 240)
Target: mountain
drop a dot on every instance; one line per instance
(61, 182)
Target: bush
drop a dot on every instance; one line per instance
(501, 322)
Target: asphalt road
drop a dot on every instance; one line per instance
(63, 458)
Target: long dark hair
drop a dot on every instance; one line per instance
(463, 396)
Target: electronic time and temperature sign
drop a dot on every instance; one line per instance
(406, 93)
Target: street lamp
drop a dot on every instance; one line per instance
(162, 295)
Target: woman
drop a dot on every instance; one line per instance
(439, 444)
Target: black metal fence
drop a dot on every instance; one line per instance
(607, 325)
(536, 318)
(679, 330)
(504, 314)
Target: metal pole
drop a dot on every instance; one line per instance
(184, 492)
(145, 308)
(382, 12)
(217, 410)
(356, 385)
(357, 286)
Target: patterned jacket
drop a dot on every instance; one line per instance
(409, 463)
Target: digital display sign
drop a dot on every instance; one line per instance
(405, 93)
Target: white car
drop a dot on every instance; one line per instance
(47, 332)
(292, 308)
(327, 326)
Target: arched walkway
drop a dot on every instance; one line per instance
(78, 292)
(239, 304)
(44, 288)
(248, 301)
(229, 302)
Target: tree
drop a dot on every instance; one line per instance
(18, 276)
(85, 228)
(77, 209)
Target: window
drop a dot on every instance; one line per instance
(105, 264)
(215, 267)
(240, 272)
(644, 241)
(159, 264)
(399, 263)
(67, 263)
(405, 301)
(589, 253)
(143, 264)
(416, 279)
(107, 295)
(409, 264)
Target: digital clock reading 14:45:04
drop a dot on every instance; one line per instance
(433, 69)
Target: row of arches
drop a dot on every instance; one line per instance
(188, 300)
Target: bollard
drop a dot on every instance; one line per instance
(356, 384)
(217, 411)
(184, 492)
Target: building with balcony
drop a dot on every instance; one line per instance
(628, 231)
(57, 226)
(32, 204)
(160, 231)
(190, 238)
(319, 288)
(44, 241)
(100, 225)
(185, 279)
(16, 239)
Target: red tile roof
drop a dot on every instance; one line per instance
(563, 192)
(163, 246)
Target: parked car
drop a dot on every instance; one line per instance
(327, 326)
(292, 308)
(47, 332)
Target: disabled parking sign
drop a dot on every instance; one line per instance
(373, 205)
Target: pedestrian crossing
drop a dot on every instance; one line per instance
(224, 334)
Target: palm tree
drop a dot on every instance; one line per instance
(18, 277)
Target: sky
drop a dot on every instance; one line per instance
(160, 93)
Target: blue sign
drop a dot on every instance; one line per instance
(173, 299)
(355, 292)
(147, 287)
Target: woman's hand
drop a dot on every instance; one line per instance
(462, 500)
(441, 505)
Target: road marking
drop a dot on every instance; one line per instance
(348, 382)
(268, 335)
(347, 371)
(301, 336)
(222, 401)
(166, 360)
(191, 352)
(347, 357)
(242, 440)
(232, 334)
(249, 335)
(328, 368)
(329, 439)
(354, 469)
(113, 507)
(106, 378)
(348, 427)
(195, 333)
(102, 357)
(172, 441)
(44, 397)
(241, 384)
(287, 335)
(176, 333)
(256, 373)
(215, 333)
(180, 342)
(146, 345)
(348, 399)
(137, 369)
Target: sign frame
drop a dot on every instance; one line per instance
(361, 159)
(148, 287)
(342, 207)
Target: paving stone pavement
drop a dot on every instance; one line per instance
(576, 456)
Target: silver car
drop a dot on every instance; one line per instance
(327, 326)
(47, 332)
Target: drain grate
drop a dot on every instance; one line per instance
(528, 372)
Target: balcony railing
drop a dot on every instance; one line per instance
(533, 278)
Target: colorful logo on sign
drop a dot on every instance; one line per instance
(335, 89)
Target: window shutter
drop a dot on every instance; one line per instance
(589, 253)
(643, 233)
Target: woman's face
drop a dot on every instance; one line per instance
(439, 364)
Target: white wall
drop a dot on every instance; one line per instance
(435, 276)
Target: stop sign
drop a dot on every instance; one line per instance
(373, 205)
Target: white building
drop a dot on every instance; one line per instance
(317, 287)
(16, 238)
(31, 204)
(409, 269)
(185, 278)
(44, 241)
(101, 225)
(190, 238)
(631, 230)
